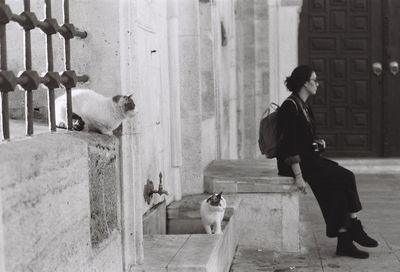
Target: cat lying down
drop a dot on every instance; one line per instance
(212, 212)
(94, 112)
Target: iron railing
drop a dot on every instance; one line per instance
(30, 79)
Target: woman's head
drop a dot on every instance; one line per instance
(300, 76)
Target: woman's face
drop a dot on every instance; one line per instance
(312, 84)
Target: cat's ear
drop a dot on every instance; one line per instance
(116, 98)
(209, 199)
(130, 96)
(219, 195)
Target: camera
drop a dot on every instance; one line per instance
(318, 146)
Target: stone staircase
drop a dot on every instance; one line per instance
(187, 248)
(261, 212)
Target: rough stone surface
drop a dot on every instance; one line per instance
(104, 187)
(46, 206)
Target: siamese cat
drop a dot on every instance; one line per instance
(212, 212)
(94, 112)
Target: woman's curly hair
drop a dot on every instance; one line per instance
(300, 75)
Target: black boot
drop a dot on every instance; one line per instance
(359, 235)
(345, 247)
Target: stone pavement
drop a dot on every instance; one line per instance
(380, 196)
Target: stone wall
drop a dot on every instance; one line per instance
(60, 207)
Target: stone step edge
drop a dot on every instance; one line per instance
(176, 211)
(215, 256)
(183, 259)
(371, 165)
(233, 186)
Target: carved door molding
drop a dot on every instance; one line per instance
(341, 39)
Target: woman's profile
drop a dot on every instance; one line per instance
(299, 156)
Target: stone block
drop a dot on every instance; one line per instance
(46, 209)
(268, 216)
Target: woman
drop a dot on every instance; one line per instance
(299, 156)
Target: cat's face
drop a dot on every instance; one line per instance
(215, 199)
(126, 104)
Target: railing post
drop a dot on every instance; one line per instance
(5, 120)
(67, 57)
(50, 68)
(28, 67)
(29, 79)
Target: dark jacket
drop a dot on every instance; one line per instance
(297, 131)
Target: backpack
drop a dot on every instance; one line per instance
(268, 140)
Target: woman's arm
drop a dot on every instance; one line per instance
(288, 122)
(298, 178)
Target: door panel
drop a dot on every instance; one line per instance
(391, 81)
(341, 39)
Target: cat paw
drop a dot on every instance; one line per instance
(62, 125)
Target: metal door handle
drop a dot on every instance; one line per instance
(377, 68)
(394, 67)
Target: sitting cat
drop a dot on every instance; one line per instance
(212, 212)
(95, 112)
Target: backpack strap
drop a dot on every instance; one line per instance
(295, 98)
(295, 104)
(268, 109)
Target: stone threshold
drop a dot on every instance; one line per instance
(369, 166)
(192, 252)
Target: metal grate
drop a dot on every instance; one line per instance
(29, 79)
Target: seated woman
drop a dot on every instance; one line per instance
(299, 156)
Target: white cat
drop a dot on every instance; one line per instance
(95, 112)
(212, 212)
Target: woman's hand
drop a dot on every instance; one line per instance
(299, 184)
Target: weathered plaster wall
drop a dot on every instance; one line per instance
(190, 97)
(283, 39)
(208, 83)
(262, 66)
(227, 99)
(208, 87)
(49, 205)
(246, 74)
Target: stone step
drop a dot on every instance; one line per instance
(269, 212)
(192, 252)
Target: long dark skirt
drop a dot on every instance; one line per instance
(334, 188)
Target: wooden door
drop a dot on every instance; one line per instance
(341, 39)
(391, 79)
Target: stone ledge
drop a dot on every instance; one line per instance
(245, 176)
